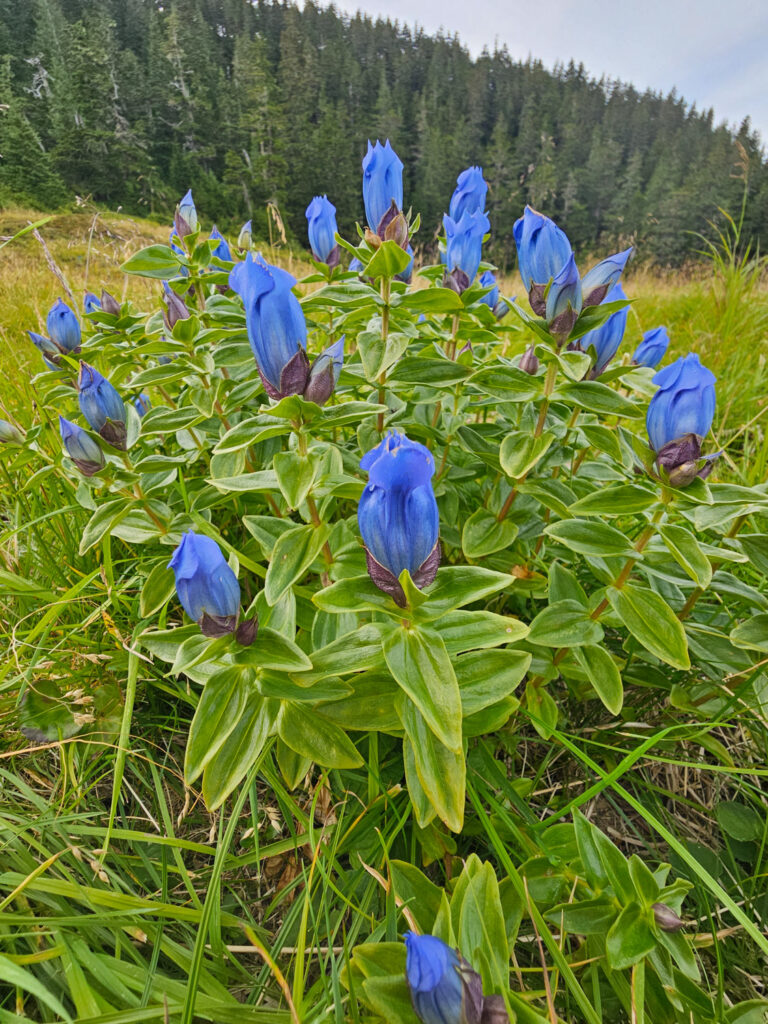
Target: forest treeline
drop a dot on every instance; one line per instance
(258, 104)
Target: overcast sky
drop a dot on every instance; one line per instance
(715, 52)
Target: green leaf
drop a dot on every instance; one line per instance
(429, 300)
(482, 933)
(274, 651)
(599, 398)
(604, 675)
(355, 594)
(752, 633)
(244, 744)
(377, 353)
(316, 737)
(483, 534)
(264, 480)
(158, 588)
(589, 917)
(485, 677)
(15, 976)
(521, 450)
(102, 521)
(293, 767)
(739, 821)
(434, 372)
(590, 538)
(685, 550)
(157, 261)
(293, 554)
(389, 260)
(457, 585)
(629, 939)
(652, 623)
(418, 660)
(222, 703)
(465, 631)
(603, 439)
(295, 475)
(507, 383)
(618, 500)
(355, 652)
(415, 890)
(564, 624)
(441, 772)
(542, 708)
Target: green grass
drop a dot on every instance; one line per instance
(131, 902)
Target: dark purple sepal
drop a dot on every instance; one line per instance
(529, 362)
(271, 391)
(293, 379)
(176, 309)
(182, 228)
(246, 632)
(390, 584)
(390, 227)
(217, 625)
(494, 1011)
(562, 325)
(472, 993)
(114, 432)
(456, 280)
(88, 468)
(596, 296)
(682, 449)
(537, 300)
(334, 257)
(320, 383)
(109, 303)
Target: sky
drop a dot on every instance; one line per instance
(714, 52)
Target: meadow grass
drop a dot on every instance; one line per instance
(162, 910)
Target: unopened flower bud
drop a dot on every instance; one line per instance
(324, 374)
(176, 308)
(529, 362)
(666, 918)
(397, 230)
(683, 474)
(9, 434)
(109, 303)
(185, 220)
(245, 237)
(372, 238)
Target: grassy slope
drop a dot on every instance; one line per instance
(54, 802)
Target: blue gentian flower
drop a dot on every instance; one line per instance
(63, 327)
(543, 248)
(563, 300)
(185, 219)
(469, 194)
(382, 183)
(598, 281)
(221, 251)
(464, 239)
(101, 405)
(493, 297)
(51, 353)
(684, 403)
(397, 513)
(606, 338)
(91, 302)
(652, 348)
(276, 326)
(142, 404)
(81, 448)
(204, 581)
(444, 989)
(324, 373)
(321, 228)
(245, 237)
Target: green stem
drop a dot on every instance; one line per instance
(690, 604)
(386, 287)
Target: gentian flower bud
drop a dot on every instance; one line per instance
(63, 328)
(324, 373)
(245, 237)
(542, 252)
(207, 587)
(321, 228)
(469, 194)
(606, 338)
(175, 307)
(51, 353)
(444, 988)
(464, 248)
(666, 919)
(110, 304)
(652, 348)
(277, 330)
(493, 298)
(382, 185)
(81, 448)
(185, 220)
(221, 251)
(679, 416)
(598, 281)
(91, 302)
(142, 403)
(10, 434)
(529, 362)
(101, 405)
(563, 301)
(398, 516)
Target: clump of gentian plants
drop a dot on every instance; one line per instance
(367, 515)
